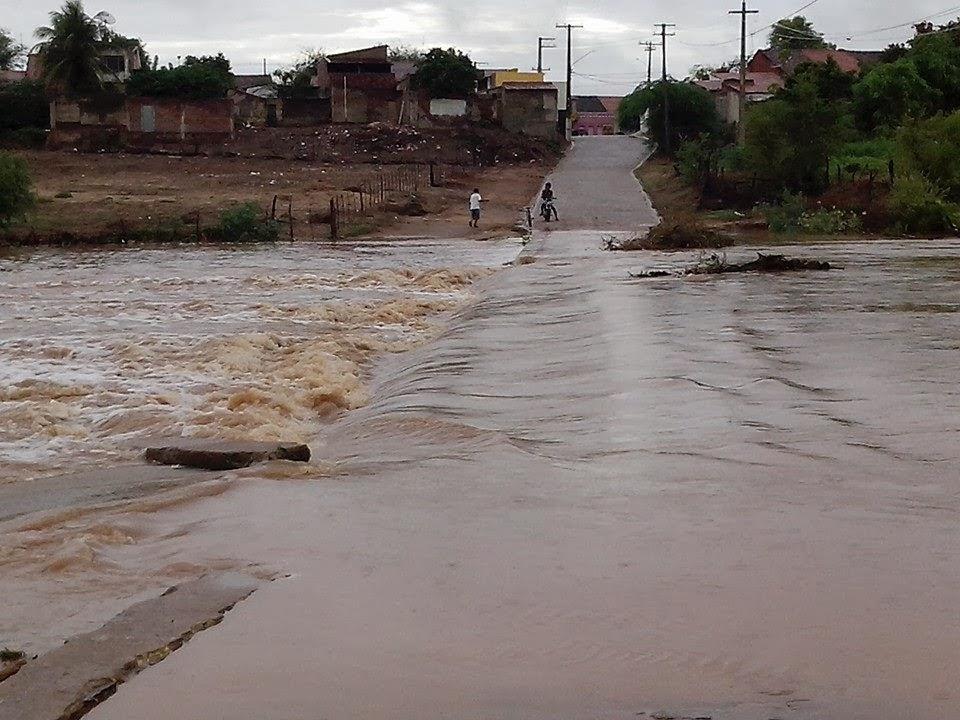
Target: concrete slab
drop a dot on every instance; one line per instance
(67, 682)
(91, 487)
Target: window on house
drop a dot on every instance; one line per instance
(113, 64)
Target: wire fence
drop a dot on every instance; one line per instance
(361, 200)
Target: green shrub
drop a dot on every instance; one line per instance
(932, 147)
(245, 223)
(16, 194)
(864, 156)
(786, 216)
(830, 222)
(192, 82)
(23, 105)
(28, 137)
(917, 205)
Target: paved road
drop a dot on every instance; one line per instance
(594, 497)
(596, 189)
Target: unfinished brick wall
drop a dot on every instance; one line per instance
(162, 124)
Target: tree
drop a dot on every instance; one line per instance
(700, 72)
(16, 196)
(830, 81)
(692, 111)
(23, 105)
(446, 74)
(196, 82)
(893, 52)
(891, 92)
(10, 51)
(930, 148)
(937, 59)
(406, 53)
(70, 48)
(217, 63)
(790, 138)
(795, 33)
(304, 69)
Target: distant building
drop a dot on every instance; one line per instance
(495, 77)
(361, 85)
(117, 64)
(785, 64)
(12, 76)
(528, 107)
(255, 100)
(725, 89)
(596, 115)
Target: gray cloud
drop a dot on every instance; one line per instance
(501, 33)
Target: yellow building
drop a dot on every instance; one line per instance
(496, 78)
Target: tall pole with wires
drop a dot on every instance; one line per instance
(666, 90)
(543, 43)
(569, 29)
(742, 100)
(650, 50)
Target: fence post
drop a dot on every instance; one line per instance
(433, 174)
(290, 214)
(890, 169)
(334, 220)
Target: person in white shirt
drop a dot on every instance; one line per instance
(475, 200)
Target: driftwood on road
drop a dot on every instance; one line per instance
(716, 264)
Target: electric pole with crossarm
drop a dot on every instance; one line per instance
(666, 90)
(650, 49)
(543, 43)
(569, 29)
(742, 104)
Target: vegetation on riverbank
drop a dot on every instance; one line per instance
(832, 152)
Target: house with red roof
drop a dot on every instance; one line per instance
(725, 89)
(786, 64)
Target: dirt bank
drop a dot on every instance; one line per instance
(151, 198)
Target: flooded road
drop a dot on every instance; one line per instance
(597, 497)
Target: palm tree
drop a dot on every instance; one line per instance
(70, 48)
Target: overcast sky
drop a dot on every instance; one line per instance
(496, 33)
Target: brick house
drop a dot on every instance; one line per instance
(528, 107)
(361, 85)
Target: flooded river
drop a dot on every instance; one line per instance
(97, 348)
(586, 496)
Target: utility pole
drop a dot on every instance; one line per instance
(569, 29)
(741, 127)
(543, 43)
(666, 95)
(649, 50)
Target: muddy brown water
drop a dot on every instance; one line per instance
(597, 497)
